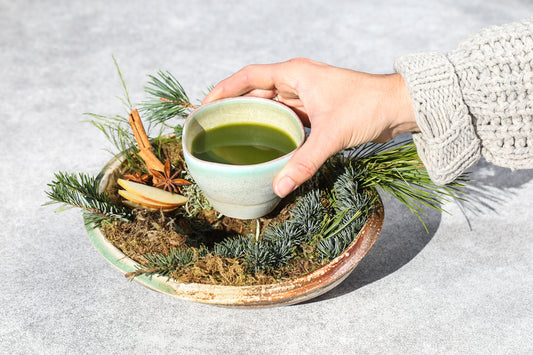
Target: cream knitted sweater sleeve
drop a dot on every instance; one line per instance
(474, 101)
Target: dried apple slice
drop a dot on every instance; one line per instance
(150, 193)
(143, 202)
(136, 205)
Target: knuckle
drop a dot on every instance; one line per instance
(247, 71)
(220, 90)
(298, 61)
(245, 74)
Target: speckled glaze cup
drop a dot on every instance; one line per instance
(239, 191)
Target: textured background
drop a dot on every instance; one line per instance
(464, 287)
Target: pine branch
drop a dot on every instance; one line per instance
(169, 99)
(81, 191)
(270, 253)
(398, 170)
(233, 247)
(309, 214)
(164, 265)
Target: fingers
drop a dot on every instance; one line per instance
(253, 79)
(305, 163)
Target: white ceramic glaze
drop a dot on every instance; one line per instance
(239, 191)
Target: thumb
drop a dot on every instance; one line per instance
(304, 164)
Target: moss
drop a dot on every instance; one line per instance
(149, 233)
(213, 269)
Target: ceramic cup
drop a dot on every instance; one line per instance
(239, 191)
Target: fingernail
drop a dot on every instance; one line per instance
(284, 187)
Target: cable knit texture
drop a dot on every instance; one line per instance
(474, 101)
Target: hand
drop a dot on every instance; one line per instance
(343, 107)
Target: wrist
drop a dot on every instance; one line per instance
(402, 115)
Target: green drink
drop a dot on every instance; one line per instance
(242, 144)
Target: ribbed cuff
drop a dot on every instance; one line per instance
(447, 142)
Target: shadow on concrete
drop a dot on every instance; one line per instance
(491, 186)
(403, 236)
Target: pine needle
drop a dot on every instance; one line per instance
(81, 190)
(168, 99)
(118, 132)
(397, 169)
(126, 99)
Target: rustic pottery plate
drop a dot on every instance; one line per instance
(284, 293)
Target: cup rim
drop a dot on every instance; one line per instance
(242, 98)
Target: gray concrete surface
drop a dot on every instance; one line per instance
(464, 287)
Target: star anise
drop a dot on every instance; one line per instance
(138, 177)
(166, 180)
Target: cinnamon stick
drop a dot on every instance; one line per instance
(146, 151)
